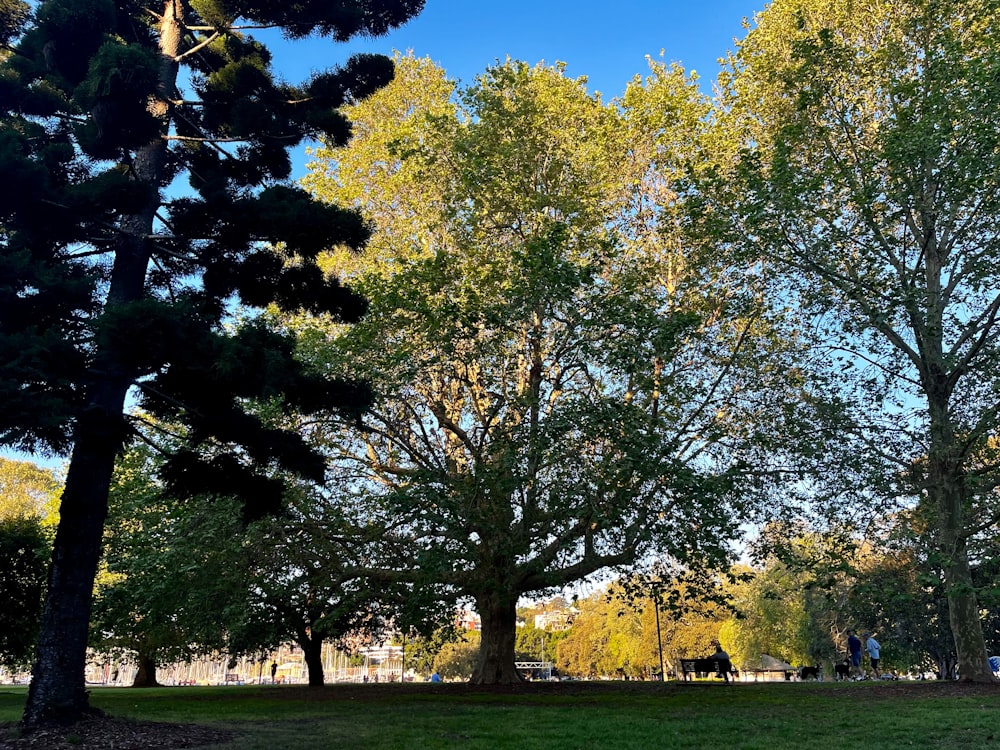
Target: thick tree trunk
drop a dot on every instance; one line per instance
(146, 676)
(946, 488)
(963, 615)
(312, 650)
(495, 665)
(57, 693)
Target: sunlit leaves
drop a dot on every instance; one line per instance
(27, 491)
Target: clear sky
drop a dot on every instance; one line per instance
(606, 41)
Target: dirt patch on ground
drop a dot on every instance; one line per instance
(113, 734)
(117, 734)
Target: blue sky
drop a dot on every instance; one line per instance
(606, 41)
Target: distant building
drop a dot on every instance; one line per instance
(466, 619)
(560, 619)
(382, 653)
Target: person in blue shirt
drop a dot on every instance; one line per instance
(854, 651)
(873, 649)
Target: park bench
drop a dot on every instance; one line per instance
(233, 678)
(705, 667)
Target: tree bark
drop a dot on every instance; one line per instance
(963, 610)
(945, 667)
(495, 665)
(312, 651)
(57, 693)
(146, 676)
(946, 487)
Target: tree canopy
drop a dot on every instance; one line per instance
(553, 396)
(173, 582)
(180, 580)
(27, 490)
(28, 494)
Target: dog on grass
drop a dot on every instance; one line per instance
(843, 669)
(809, 673)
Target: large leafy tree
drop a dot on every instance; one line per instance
(27, 490)
(562, 383)
(27, 496)
(181, 579)
(796, 602)
(777, 613)
(173, 578)
(116, 281)
(868, 167)
(304, 582)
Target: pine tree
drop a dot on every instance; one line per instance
(116, 283)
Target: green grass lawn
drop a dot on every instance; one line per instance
(572, 716)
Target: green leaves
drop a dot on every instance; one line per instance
(14, 15)
(562, 381)
(340, 20)
(24, 555)
(120, 81)
(869, 179)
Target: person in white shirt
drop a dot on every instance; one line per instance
(725, 666)
(873, 649)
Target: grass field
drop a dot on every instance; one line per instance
(569, 716)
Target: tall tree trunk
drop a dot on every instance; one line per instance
(963, 604)
(146, 676)
(57, 692)
(495, 665)
(946, 487)
(312, 651)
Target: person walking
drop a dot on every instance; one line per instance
(854, 652)
(873, 649)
